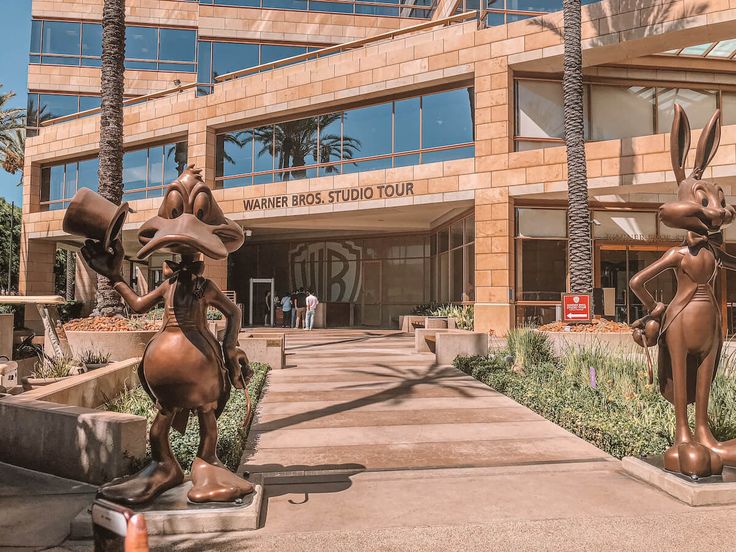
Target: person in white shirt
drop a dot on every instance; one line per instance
(312, 303)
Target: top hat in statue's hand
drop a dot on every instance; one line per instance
(92, 216)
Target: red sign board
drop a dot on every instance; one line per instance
(577, 307)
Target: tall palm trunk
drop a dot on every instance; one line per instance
(111, 130)
(578, 222)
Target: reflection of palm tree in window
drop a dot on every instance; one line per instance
(296, 145)
(179, 152)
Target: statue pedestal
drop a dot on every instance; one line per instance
(172, 514)
(707, 491)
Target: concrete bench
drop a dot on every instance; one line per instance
(456, 343)
(409, 322)
(425, 339)
(268, 348)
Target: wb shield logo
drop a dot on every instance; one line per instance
(334, 263)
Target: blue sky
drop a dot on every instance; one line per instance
(15, 36)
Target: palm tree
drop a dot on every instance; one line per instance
(12, 135)
(110, 174)
(12, 151)
(578, 221)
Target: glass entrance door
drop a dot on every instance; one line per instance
(618, 263)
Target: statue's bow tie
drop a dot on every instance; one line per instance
(172, 269)
(694, 239)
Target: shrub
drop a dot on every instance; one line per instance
(599, 394)
(56, 367)
(529, 348)
(232, 434)
(94, 356)
(463, 314)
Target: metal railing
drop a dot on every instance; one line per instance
(129, 101)
(330, 50)
(338, 48)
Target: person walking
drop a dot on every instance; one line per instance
(292, 295)
(286, 310)
(301, 307)
(312, 303)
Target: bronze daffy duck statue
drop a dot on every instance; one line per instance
(184, 369)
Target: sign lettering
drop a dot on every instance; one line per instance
(327, 197)
(577, 307)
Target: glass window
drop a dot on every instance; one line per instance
(177, 45)
(56, 182)
(87, 174)
(406, 125)
(286, 4)
(141, 43)
(369, 128)
(32, 111)
(89, 102)
(135, 169)
(457, 276)
(235, 153)
(70, 180)
(609, 102)
(469, 288)
(539, 109)
(456, 234)
(470, 229)
(156, 166)
(295, 144)
(60, 37)
(534, 5)
(541, 223)
(204, 66)
(232, 56)
(541, 268)
(361, 138)
(175, 160)
(626, 225)
(263, 158)
(91, 39)
(698, 104)
(331, 146)
(270, 52)
(728, 107)
(36, 31)
(57, 105)
(447, 118)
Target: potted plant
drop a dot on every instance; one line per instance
(94, 358)
(50, 370)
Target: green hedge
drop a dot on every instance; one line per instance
(232, 434)
(598, 394)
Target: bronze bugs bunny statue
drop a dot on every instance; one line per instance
(688, 330)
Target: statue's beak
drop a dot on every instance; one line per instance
(186, 234)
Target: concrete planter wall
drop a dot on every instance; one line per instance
(57, 429)
(120, 345)
(618, 342)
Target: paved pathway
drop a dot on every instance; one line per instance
(363, 434)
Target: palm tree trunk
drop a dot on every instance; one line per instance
(578, 222)
(111, 131)
(70, 274)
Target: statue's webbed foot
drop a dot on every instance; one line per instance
(145, 485)
(215, 483)
(692, 459)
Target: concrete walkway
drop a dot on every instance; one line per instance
(360, 434)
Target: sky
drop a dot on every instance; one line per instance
(15, 38)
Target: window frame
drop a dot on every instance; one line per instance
(393, 156)
(80, 57)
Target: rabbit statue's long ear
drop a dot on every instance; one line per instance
(679, 142)
(708, 144)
